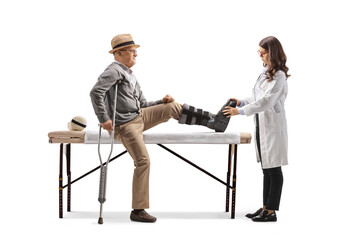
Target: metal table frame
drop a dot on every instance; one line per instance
(232, 162)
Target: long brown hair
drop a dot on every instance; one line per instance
(277, 56)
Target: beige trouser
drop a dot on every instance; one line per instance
(131, 136)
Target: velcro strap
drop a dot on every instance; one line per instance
(190, 114)
(206, 115)
(198, 116)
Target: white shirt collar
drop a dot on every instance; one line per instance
(124, 67)
(131, 76)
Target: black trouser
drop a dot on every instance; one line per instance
(273, 179)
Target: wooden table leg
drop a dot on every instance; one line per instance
(228, 178)
(68, 171)
(60, 182)
(234, 185)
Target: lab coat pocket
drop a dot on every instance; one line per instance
(275, 122)
(278, 107)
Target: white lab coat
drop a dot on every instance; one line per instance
(269, 104)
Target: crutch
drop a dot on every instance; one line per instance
(103, 168)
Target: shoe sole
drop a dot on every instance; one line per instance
(142, 220)
(272, 220)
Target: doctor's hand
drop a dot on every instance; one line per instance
(237, 101)
(107, 125)
(168, 99)
(230, 111)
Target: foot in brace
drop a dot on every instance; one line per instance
(193, 116)
(221, 121)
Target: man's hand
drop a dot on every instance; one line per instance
(168, 99)
(107, 125)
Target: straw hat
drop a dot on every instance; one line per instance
(121, 41)
(78, 123)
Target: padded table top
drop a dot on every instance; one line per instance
(91, 137)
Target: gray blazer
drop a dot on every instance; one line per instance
(129, 101)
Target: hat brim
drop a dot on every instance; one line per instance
(115, 49)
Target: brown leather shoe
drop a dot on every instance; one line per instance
(142, 216)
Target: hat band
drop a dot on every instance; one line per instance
(78, 123)
(124, 44)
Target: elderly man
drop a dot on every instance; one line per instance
(134, 115)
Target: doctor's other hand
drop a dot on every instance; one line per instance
(168, 99)
(107, 125)
(230, 111)
(237, 101)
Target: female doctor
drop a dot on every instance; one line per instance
(267, 104)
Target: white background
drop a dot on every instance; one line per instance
(202, 53)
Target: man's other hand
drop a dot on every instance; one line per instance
(107, 125)
(168, 99)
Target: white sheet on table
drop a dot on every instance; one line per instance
(91, 137)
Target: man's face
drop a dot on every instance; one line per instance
(127, 56)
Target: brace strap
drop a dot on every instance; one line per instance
(198, 116)
(206, 115)
(190, 114)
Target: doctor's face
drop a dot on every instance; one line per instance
(264, 55)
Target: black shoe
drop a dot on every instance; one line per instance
(221, 121)
(142, 216)
(264, 216)
(251, 215)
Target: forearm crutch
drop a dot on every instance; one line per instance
(103, 168)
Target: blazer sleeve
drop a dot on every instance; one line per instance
(106, 80)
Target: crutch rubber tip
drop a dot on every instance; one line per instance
(100, 220)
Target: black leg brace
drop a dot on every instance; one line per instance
(221, 121)
(194, 116)
(191, 116)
